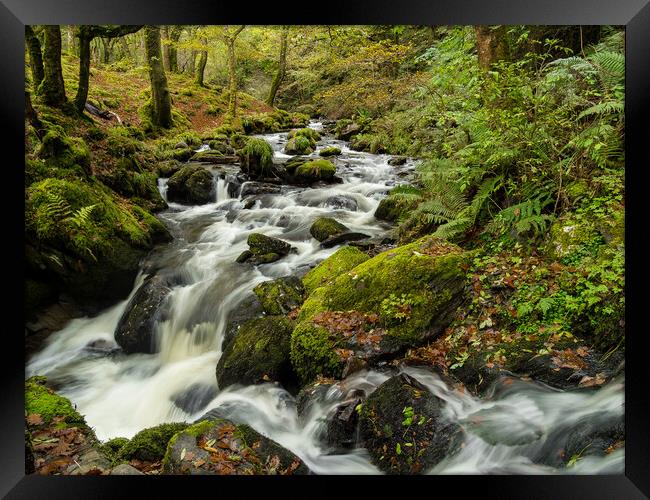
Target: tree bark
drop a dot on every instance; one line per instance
(174, 37)
(33, 119)
(161, 106)
(282, 66)
(164, 35)
(35, 57)
(491, 45)
(229, 40)
(52, 87)
(203, 60)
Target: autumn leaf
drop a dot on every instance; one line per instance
(34, 419)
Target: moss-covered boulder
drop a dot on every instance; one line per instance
(259, 353)
(256, 158)
(264, 249)
(570, 236)
(324, 227)
(399, 202)
(341, 261)
(310, 133)
(402, 426)
(220, 447)
(86, 238)
(150, 444)
(249, 308)
(299, 145)
(312, 171)
(48, 405)
(214, 157)
(135, 332)
(398, 299)
(330, 151)
(280, 296)
(345, 129)
(192, 185)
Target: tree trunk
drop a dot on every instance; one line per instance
(106, 44)
(229, 40)
(192, 63)
(84, 69)
(33, 119)
(35, 57)
(491, 45)
(164, 35)
(174, 37)
(203, 60)
(161, 106)
(282, 67)
(53, 87)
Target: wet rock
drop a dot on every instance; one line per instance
(192, 185)
(215, 157)
(181, 145)
(311, 395)
(136, 328)
(341, 261)
(403, 428)
(195, 397)
(253, 188)
(125, 470)
(341, 433)
(330, 151)
(346, 133)
(325, 227)
(264, 249)
(397, 160)
(249, 308)
(259, 353)
(298, 146)
(281, 295)
(91, 462)
(233, 450)
(149, 445)
(343, 238)
(342, 202)
(313, 171)
(399, 299)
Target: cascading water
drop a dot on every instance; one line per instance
(121, 394)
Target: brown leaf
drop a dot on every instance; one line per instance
(34, 419)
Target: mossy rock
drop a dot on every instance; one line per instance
(309, 133)
(315, 170)
(400, 202)
(571, 236)
(64, 152)
(341, 261)
(299, 145)
(259, 353)
(264, 249)
(330, 151)
(280, 296)
(88, 237)
(192, 185)
(256, 158)
(398, 299)
(43, 401)
(402, 425)
(113, 447)
(150, 444)
(219, 447)
(325, 227)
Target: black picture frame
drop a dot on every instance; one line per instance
(634, 14)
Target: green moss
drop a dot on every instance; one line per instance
(400, 202)
(113, 447)
(258, 151)
(309, 133)
(330, 151)
(43, 401)
(193, 430)
(312, 353)
(150, 444)
(63, 152)
(317, 169)
(324, 227)
(279, 296)
(423, 281)
(299, 145)
(342, 261)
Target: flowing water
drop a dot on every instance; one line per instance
(513, 431)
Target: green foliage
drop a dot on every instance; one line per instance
(150, 444)
(43, 401)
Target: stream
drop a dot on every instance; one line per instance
(121, 394)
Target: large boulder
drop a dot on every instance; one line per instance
(337, 239)
(249, 308)
(150, 444)
(280, 296)
(264, 249)
(311, 171)
(299, 145)
(324, 227)
(136, 329)
(256, 158)
(403, 427)
(341, 261)
(219, 447)
(348, 131)
(399, 299)
(400, 201)
(259, 353)
(192, 185)
(330, 151)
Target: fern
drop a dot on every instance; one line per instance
(523, 217)
(81, 218)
